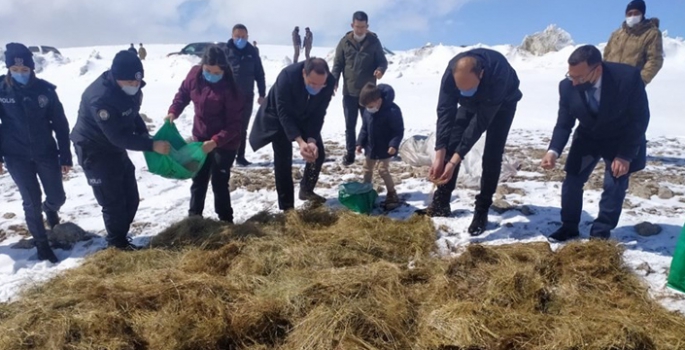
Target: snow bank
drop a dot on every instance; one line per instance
(552, 39)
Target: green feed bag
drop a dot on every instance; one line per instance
(358, 197)
(183, 161)
(676, 277)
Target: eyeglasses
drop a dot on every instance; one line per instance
(582, 79)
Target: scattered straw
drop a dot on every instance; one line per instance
(321, 280)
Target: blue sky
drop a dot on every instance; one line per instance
(400, 24)
(508, 21)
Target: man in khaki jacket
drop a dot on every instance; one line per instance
(638, 42)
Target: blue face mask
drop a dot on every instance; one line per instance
(312, 91)
(130, 90)
(21, 78)
(240, 43)
(212, 78)
(469, 93)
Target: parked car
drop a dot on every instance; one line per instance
(197, 49)
(42, 49)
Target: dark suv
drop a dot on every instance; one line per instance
(197, 49)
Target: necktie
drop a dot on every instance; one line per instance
(592, 101)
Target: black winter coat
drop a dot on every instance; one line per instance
(383, 129)
(247, 68)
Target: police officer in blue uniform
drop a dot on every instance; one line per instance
(108, 125)
(30, 112)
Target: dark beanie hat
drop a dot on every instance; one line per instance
(18, 55)
(127, 66)
(637, 5)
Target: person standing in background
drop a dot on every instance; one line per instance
(247, 69)
(133, 50)
(638, 42)
(359, 57)
(297, 43)
(142, 53)
(254, 43)
(308, 42)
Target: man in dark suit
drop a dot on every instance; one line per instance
(479, 92)
(294, 112)
(610, 103)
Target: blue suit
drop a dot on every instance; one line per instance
(108, 125)
(617, 129)
(29, 117)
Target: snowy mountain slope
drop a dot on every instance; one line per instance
(415, 75)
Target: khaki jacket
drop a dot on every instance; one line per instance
(640, 46)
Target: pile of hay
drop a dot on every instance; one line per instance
(320, 280)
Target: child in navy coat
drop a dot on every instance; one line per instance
(380, 136)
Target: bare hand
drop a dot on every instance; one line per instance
(359, 149)
(161, 147)
(335, 89)
(392, 151)
(447, 174)
(314, 149)
(378, 74)
(549, 161)
(436, 169)
(260, 100)
(306, 153)
(66, 169)
(208, 146)
(170, 117)
(620, 167)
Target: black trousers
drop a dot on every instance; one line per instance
(496, 139)
(113, 179)
(283, 164)
(247, 115)
(218, 168)
(352, 111)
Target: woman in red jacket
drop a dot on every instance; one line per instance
(218, 117)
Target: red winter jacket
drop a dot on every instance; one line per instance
(218, 112)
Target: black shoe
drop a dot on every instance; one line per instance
(52, 218)
(479, 223)
(434, 212)
(45, 252)
(242, 161)
(310, 196)
(563, 234)
(348, 160)
(126, 246)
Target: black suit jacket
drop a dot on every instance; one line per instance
(618, 129)
(290, 109)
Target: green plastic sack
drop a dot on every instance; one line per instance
(676, 277)
(183, 161)
(358, 197)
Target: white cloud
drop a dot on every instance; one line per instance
(104, 22)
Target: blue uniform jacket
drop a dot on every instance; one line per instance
(29, 117)
(109, 119)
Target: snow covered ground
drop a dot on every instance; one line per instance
(530, 200)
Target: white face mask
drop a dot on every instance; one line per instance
(372, 110)
(633, 20)
(359, 37)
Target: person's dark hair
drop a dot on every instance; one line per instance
(369, 93)
(141, 44)
(239, 26)
(585, 53)
(316, 65)
(215, 56)
(360, 16)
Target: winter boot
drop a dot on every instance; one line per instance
(45, 252)
(125, 245)
(564, 233)
(392, 201)
(311, 196)
(479, 223)
(242, 161)
(52, 218)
